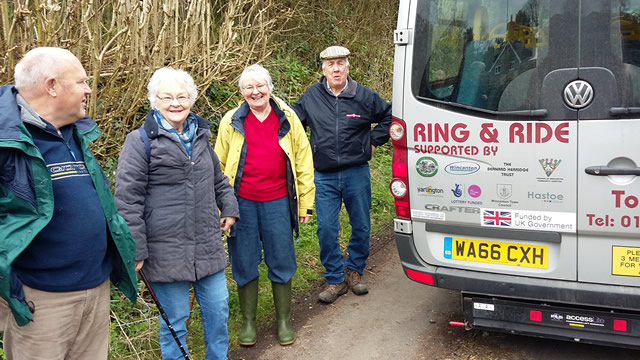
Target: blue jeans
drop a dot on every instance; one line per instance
(353, 186)
(213, 297)
(263, 225)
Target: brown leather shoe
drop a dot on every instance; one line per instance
(355, 283)
(332, 291)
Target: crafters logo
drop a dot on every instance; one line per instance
(427, 166)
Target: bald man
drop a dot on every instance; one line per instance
(61, 240)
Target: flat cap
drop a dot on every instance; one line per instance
(333, 52)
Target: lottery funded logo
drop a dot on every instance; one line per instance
(427, 166)
(457, 192)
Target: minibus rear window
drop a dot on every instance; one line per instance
(493, 55)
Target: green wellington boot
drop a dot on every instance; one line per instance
(282, 302)
(248, 298)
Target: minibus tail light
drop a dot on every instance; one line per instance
(400, 184)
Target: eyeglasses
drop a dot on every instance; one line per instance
(168, 100)
(250, 88)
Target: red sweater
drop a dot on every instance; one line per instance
(264, 175)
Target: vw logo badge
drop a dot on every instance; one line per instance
(578, 94)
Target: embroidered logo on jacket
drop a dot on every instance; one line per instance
(67, 169)
(353, 115)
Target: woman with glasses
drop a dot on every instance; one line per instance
(172, 193)
(264, 151)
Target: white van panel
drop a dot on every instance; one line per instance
(465, 170)
(609, 212)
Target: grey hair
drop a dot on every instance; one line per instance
(38, 64)
(324, 62)
(258, 72)
(166, 73)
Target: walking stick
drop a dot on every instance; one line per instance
(164, 315)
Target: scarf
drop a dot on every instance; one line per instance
(188, 131)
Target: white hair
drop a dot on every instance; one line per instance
(38, 64)
(257, 72)
(324, 62)
(165, 74)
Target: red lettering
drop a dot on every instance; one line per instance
(543, 128)
(515, 130)
(418, 133)
(458, 133)
(562, 133)
(441, 133)
(618, 194)
(539, 133)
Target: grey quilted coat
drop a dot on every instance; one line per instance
(171, 203)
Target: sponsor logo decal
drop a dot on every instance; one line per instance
(430, 190)
(507, 169)
(532, 220)
(474, 191)
(546, 197)
(457, 192)
(496, 218)
(549, 165)
(427, 166)
(504, 191)
(462, 168)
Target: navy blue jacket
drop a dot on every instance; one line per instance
(341, 133)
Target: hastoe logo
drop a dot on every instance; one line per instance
(427, 166)
(545, 197)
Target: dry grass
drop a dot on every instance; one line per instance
(121, 43)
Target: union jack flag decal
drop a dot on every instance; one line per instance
(496, 218)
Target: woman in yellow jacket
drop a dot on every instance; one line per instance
(265, 153)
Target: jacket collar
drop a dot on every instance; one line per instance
(349, 92)
(243, 111)
(14, 110)
(151, 126)
(9, 113)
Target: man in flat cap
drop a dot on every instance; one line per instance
(340, 113)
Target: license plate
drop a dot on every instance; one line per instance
(625, 261)
(496, 252)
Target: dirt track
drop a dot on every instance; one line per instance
(401, 319)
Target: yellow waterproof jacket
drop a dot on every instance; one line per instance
(231, 150)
